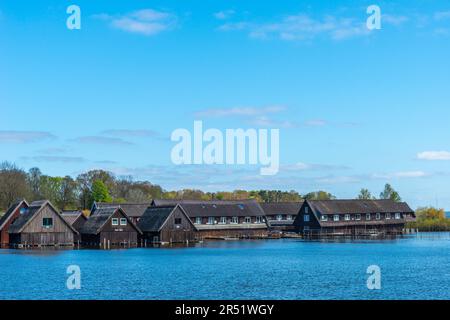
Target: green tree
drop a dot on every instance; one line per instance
(100, 192)
(365, 194)
(390, 194)
(319, 195)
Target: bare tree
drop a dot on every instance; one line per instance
(13, 184)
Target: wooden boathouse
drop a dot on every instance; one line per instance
(14, 211)
(166, 224)
(109, 227)
(223, 219)
(354, 218)
(41, 224)
(134, 211)
(76, 219)
(281, 215)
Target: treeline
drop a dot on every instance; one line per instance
(99, 185)
(430, 219)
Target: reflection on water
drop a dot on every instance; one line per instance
(413, 267)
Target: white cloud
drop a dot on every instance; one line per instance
(239, 111)
(55, 159)
(434, 155)
(129, 133)
(315, 123)
(146, 22)
(302, 27)
(24, 136)
(410, 174)
(394, 19)
(101, 140)
(442, 15)
(223, 15)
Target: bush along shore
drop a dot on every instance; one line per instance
(430, 220)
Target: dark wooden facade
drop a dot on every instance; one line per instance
(109, 227)
(134, 211)
(353, 217)
(8, 218)
(41, 225)
(223, 219)
(77, 220)
(281, 215)
(167, 224)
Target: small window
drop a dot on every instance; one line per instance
(23, 210)
(388, 216)
(368, 216)
(306, 218)
(259, 219)
(378, 216)
(306, 210)
(347, 217)
(235, 220)
(279, 217)
(358, 217)
(336, 217)
(211, 220)
(47, 222)
(177, 220)
(324, 218)
(198, 220)
(248, 220)
(115, 221)
(123, 221)
(398, 216)
(223, 220)
(289, 217)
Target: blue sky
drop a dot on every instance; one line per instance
(355, 108)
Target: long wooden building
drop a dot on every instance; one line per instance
(41, 224)
(223, 219)
(108, 227)
(281, 215)
(167, 224)
(14, 211)
(353, 217)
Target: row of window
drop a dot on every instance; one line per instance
(357, 217)
(279, 217)
(115, 221)
(224, 220)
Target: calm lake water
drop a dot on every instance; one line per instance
(416, 267)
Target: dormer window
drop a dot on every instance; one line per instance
(324, 218)
(289, 217)
(398, 216)
(336, 217)
(279, 217)
(47, 223)
(388, 216)
(198, 220)
(347, 217)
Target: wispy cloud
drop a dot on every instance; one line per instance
(315, 123)
(400, 175)
(129, 133)
(239, 111)
(262, 117)
(52, 150)
(302, 27)
(442, 15)
(147, 22)
(24, 136)
(395, 20)
(434, 155)
(223, 15)
(301, 166)
(101, 140)
(55, 159)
